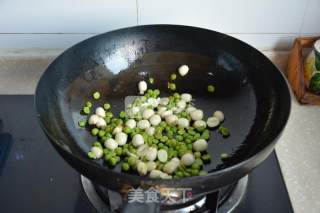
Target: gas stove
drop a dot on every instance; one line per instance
(34, 178)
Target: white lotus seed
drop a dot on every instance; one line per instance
(142, 168)
(196, 115)
(172, 119)
(135, 110)
(164, 101)
(142, 87)
(166, 113)
(101, 123)
(131, 123)
(155, 120)
(153, 102)
(186, 97)
(187, 159)
(111, 144)
(143, 124)
(171, 166)
(150, 131)
(101, 112)
(93, 119)
(161, 110)
(183, 123)
(117, 129)
(121, 138)
(162, 155)
(151, 154)
(97, 152)
(183, 70)
(200, 145)
(213, 122)
(142, 150)
(155, 173)
(199, 124)
(219, 115)
(147, 113)
(165, 176)
(190, 109)
(181, 104)
(137, 140)
(151, 166)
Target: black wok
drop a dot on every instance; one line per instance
(249, 89)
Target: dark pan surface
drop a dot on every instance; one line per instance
(249, 90)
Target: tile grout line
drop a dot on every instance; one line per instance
(137, 11)
(304, 17)
(92, 33)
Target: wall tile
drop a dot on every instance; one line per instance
(65, 16)
(41, 40)
(311, 23)
(267, 41)
(229, 16)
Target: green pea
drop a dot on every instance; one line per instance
(225, 132)
(194, 172)
(132, 160)
(106, 106)
(94, 131)
(189, 146)
(172, 86)
(205, 135)
(88, 104)
(179, 138)
(181, 131)
(86, 110)
(96, 95)
(203, 173)
(108, 120)
(125, 167)
(108, 156)
(91, 155)
(108, 135)
(179, 174)
(195, 166)
(163, 124)
(118, 151)
(197, 154)
(206, 158)
(224, 156)
(186, 174)
(163, 138)
(82, 123)
(109, 115)
(113, 161)
(156, 92)
(196, 136)
(210, 88)
(101, 133)
(198, 161)
(97, 144)
(173, 77)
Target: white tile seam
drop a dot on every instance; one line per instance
(53, 33)
(137, 11)
(304, 17)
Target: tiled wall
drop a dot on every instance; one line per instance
(266, 24)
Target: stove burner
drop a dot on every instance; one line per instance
(106, 201)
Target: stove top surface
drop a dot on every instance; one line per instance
(34, 178)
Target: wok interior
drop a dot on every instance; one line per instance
(248, 87)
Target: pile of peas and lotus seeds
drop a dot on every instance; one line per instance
(166, 137)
